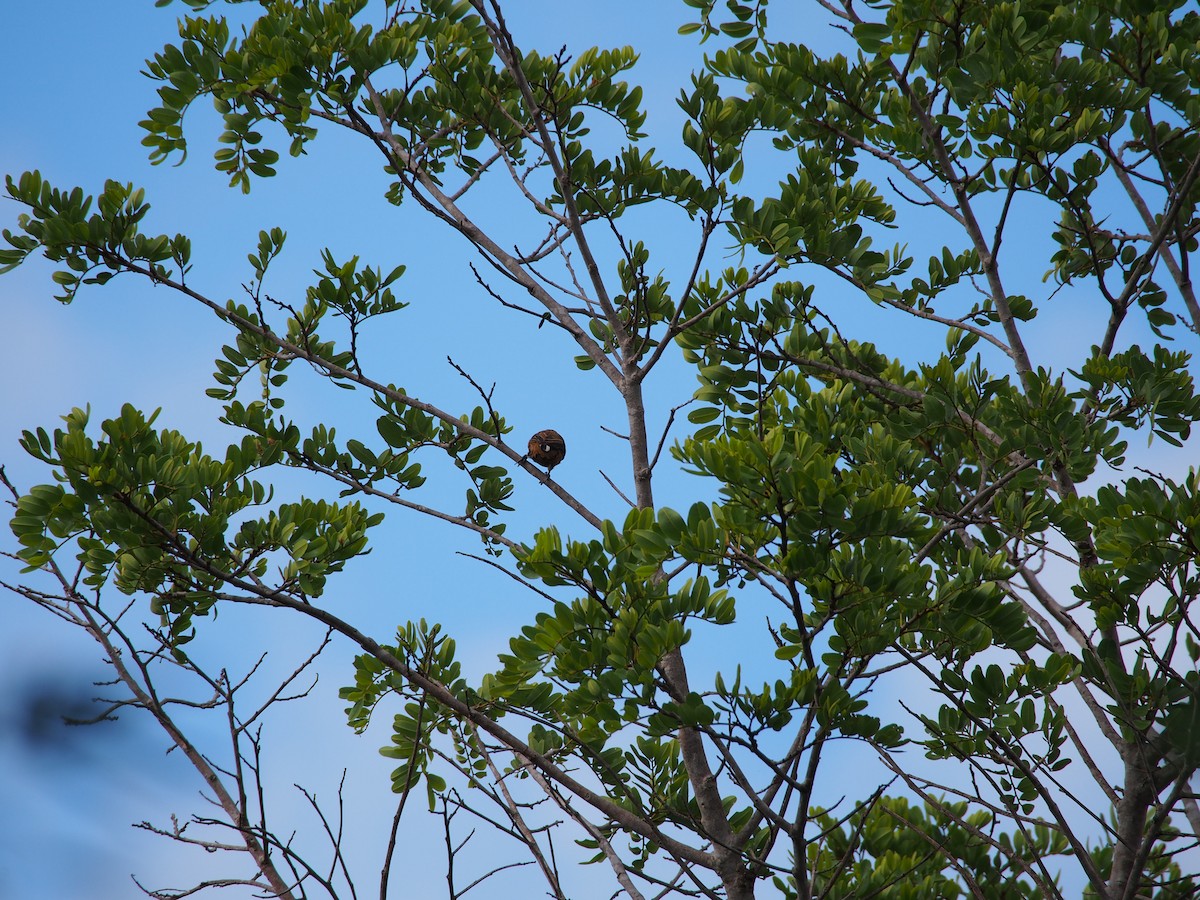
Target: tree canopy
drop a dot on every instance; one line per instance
(929, 265)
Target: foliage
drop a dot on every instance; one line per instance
(963, 520)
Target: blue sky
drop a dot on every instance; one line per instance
(73, 96)
(74, 99)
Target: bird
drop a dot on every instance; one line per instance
(546, 448)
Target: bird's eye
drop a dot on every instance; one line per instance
(545, 448)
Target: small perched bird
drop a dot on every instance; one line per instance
(547, 448)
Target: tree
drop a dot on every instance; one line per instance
(967, 519)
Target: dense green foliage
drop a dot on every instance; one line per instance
(969, 521)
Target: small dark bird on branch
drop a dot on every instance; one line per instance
(546, 448)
